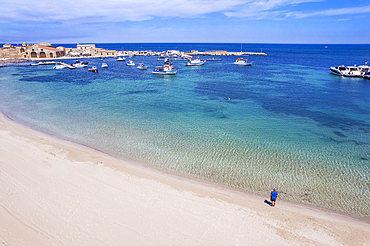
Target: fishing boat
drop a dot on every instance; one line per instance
(142, 66)
(121, 59)
(243, 62)
(93, 69)
(167, 69)
(195, 62)
(130, 63)
(104, 65)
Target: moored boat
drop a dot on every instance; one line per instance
(167, 69)
(195, 62)
(60, 66)
(130, 63)
(243, 62)
(93, 69)
(79, 64)
(142, 66)
(121, 59)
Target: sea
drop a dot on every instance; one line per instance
(285, 122)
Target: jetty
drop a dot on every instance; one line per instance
(223, 53)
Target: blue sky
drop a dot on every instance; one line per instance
(206, 21)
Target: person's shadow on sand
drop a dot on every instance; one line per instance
(268, 202)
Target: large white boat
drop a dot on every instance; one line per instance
(351, 71)
(104, 65)
(130, 63)
(195, 62)
(167, 69)
(243, 62)
(121, 59)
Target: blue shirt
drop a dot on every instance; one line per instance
(274, 194)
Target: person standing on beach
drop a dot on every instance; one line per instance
(273, 197)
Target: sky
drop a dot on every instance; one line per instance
(180, 21)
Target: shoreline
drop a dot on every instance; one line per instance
(58, 192)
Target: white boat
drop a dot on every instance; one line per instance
(166, 69)
(142, 66)
(60, 66)
(243, 62)
(78, 64)
(195, 62)
(104, 65)
(338, 70)
(121, 59)
(93, 69)
(130, 63)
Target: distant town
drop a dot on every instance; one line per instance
(46, 51)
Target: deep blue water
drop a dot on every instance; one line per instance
(285, 122)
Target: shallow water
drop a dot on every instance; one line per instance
(285, 122)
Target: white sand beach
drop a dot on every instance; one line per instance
(54, 192)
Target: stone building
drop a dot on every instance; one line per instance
(43, 51)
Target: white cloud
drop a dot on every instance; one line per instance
(264, 9)
(89, 11)
(85, 11)
(331, 12)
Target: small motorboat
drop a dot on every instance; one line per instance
(121, 59)
(104, 65)
(142, 66)
(60, 66)
(93, 69)
(130, 63)
(79, 64)
(243, 62)
(166, 69)
(195, 62)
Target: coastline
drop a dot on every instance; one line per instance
(57, 192)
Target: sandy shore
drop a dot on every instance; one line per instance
(54, 192)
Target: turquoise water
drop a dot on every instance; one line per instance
(285, 122)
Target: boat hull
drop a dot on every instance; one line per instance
(172, 72)
(243, 63)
